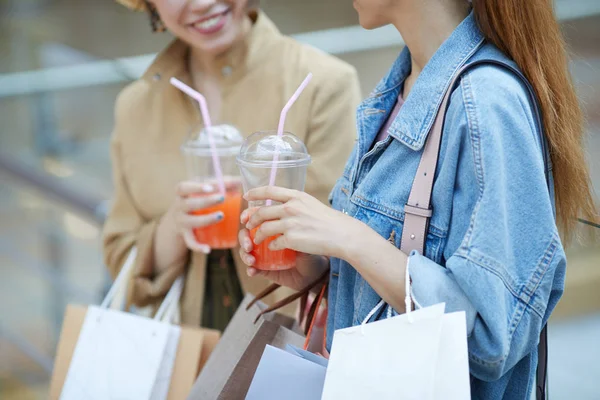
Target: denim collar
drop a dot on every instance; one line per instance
(416, 116)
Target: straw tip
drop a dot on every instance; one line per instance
(174, 80)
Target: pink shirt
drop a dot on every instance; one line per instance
(383, 133)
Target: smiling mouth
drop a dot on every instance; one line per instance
(212, 23)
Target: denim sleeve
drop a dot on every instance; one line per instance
(503, 261)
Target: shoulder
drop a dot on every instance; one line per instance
(327, 69)
(131, 99)
(310, 57)
(496, 112)
(492, 87)
(494, 98)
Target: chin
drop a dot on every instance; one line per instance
(217, 47)
(369, 24)
(214, 46)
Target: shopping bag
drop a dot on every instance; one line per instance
(317, 339)
(104, 353)
(420, 355)
(290, 374)
(231, 366)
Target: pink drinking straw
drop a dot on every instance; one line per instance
(284, 112)
(207, 124)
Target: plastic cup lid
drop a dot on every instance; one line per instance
(228, 141)
(259, 149)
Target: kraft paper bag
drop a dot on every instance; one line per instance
(231, 366)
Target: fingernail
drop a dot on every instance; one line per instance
(220, 216)
(247, 245)
(221, 199)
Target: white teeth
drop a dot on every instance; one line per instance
(209, 23)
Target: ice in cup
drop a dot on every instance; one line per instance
(200, 167)
(260, 154)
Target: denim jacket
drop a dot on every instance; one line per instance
(492, 246)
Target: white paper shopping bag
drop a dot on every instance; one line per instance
(167, 314)
(118, 355)
(121, 355)
(290, 374)
(388, 359)
(420, 355)
(452, 369)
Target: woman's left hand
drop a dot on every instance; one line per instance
(304, 223)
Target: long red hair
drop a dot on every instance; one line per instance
(527, 31)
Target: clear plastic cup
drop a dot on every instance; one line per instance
(199, 164)
(256, 161)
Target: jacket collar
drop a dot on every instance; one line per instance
(418, 113)
(234, 64)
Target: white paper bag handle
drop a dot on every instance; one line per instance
(409, 299)
(169, 304)
(121, 280)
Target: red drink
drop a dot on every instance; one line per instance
(268, 260)
(272, 159)
(223, 234)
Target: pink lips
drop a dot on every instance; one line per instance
(211, 24)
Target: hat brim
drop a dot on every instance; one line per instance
(137, 5)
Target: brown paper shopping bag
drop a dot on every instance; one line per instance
(230, 368)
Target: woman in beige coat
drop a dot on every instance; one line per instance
(231, 52)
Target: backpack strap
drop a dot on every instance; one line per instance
(418, 210)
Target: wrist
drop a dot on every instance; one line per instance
(351, 240)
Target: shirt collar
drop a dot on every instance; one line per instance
(233, 64)
(418, 113)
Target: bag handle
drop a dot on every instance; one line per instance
(418, 211)
(323, 279)
(168, 308)
(311, 318)
(314, 316)
(120, 283)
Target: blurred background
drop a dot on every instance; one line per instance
(62, 63)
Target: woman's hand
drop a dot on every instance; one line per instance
(194, 196)
(304, 223)
(174, 234)
(308, 267)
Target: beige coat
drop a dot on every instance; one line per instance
(153, 119)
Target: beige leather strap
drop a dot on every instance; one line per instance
(418, 209)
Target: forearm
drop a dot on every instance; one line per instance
(379, 262)
(169, 247)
